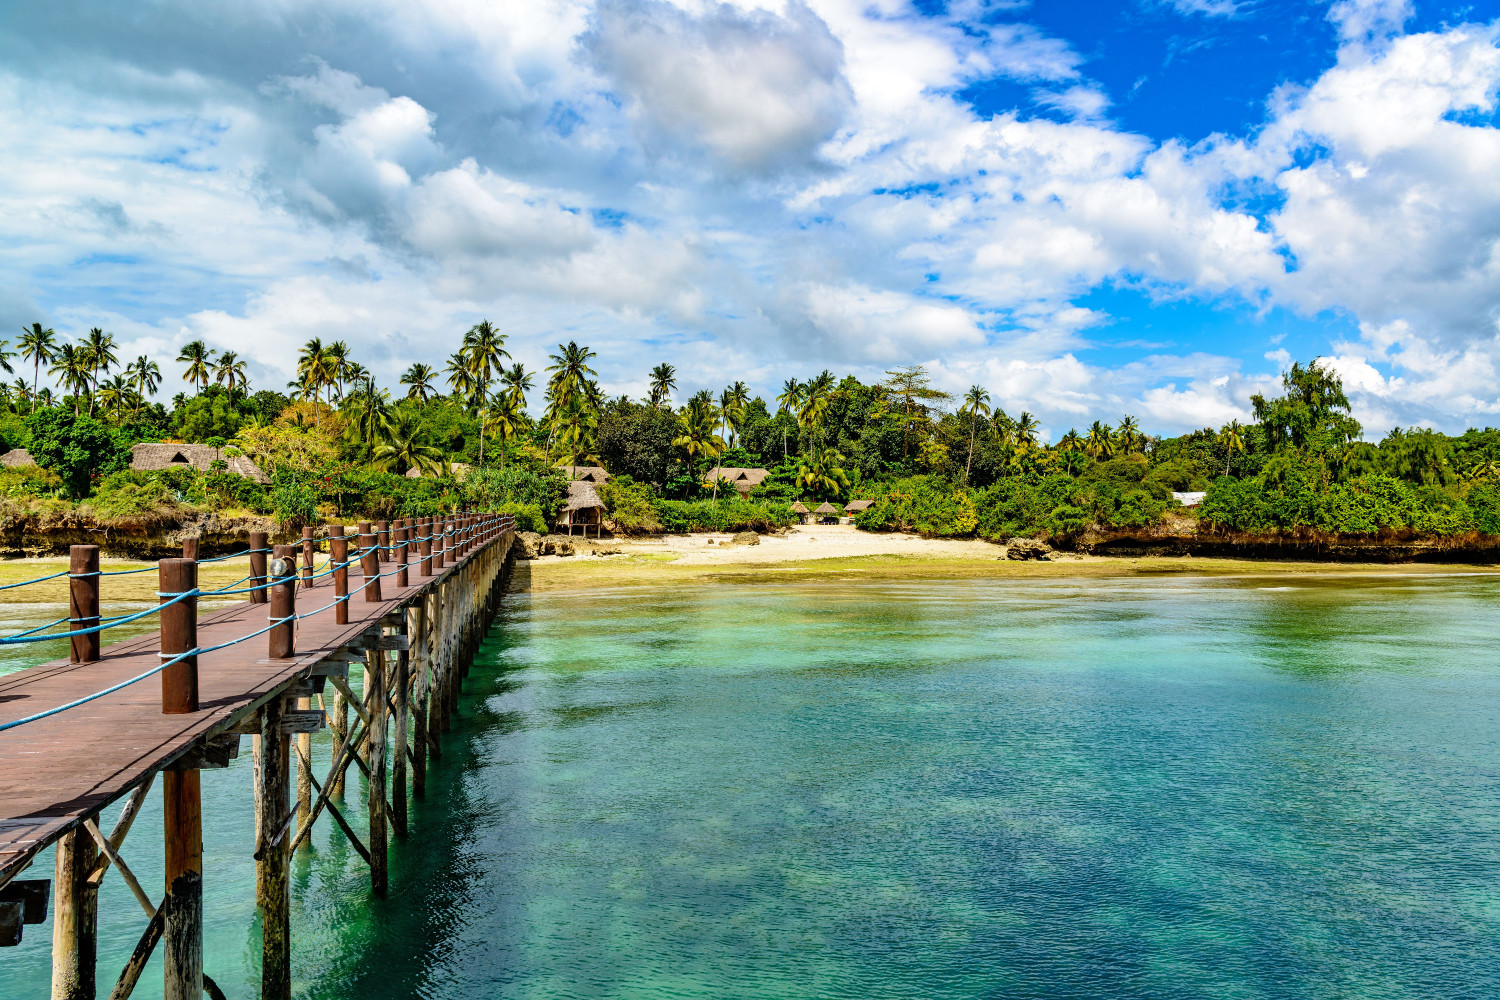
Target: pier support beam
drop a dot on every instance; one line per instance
(75, 907)
(398, 750)
(416, 627)
(375, 702)
(272, 893)
(182, 939)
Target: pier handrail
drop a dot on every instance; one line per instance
(495, 520)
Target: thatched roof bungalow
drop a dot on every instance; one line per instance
(744, 480)
(584, 508)
(17, 458)
(826, 513)
(154, 457)
(855, 506)
(585, 473)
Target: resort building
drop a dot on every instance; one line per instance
(584, 509)
(744, 480)
(154, 457)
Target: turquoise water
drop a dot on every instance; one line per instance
(1021, 789)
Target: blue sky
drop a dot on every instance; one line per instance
(1091, 209)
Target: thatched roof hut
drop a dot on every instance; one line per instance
(800, 508)
(855, 506)
(744, 480)
(17, 458)
(827, 508)
(584, 508)
(153, 457)
(586, 473)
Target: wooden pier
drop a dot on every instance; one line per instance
(274, 668)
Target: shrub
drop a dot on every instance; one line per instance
(680, 516)
(131, 502)
(294, 501)
(490, 489)
(528, 516)
(924, 504)
(631, 506)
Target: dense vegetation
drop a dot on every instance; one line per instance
(337, 444)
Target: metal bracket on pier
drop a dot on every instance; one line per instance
(384, 644)
(23, 901)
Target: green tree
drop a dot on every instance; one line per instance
(76, 447)
(790, 403)
(977, 405)
(404, 445)
(1312, 415)
(909, 389)
(418, 380)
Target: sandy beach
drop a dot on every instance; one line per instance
(834, 551)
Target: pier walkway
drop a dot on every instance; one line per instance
(81, 734)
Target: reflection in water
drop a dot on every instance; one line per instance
(1048, 789)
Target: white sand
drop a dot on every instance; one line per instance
(799, 543)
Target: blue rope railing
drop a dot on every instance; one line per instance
(35, 634)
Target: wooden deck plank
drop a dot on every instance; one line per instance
(59, 770)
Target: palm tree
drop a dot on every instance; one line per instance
(731, 410)
(504, 419)
(99, 353)
(336, 360)
(1026, 430)
(20, 391)
(821, 471)
(663, 381)
(371, 413)
(461, 379)
(70, 365)
(117, 395)
(1129, 434)
(571, 375)
(231, 371)
(196, 355)
(144, 374)
(696, 422)
(1100, 442)
(482, 349)
(404, 445)
(977, 406)
(517, 381)
(816, 396)
(419, 380)
(38, 346)
(1232, 437)
(789, 402)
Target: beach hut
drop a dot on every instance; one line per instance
(17, 458)
(154, 457)
(744, 480)
(801, 511)
(826, 513)
(585, 474)
(583, 510)
(855, 506)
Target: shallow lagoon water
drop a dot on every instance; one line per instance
(1101, 788)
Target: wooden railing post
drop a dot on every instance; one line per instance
(182, 937)
(439, 542)
(179, 634)
(83, 601)
(424, 530)
(383, 539)
(402, 533)
(283, 641)
(260, 544)
(369, 563)
(307, 556)
(338, 554)
(190, 548)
